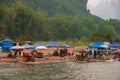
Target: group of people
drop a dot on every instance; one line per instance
(25, 55)
(85, 55)
(61, 52)
(81, 55)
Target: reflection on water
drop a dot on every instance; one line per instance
(61, 71)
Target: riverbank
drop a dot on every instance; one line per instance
(46, 57)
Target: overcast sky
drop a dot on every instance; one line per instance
(105, 8)
(93, 3)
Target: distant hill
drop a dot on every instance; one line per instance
(52, 20)
(54, 7)
(76, 8)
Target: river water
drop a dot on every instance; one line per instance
(61, 71)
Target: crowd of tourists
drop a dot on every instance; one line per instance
(92, 55)
(25, 54)
(61, 52)
(78, 55)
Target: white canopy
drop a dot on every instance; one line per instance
(41, 48)
(17, 47)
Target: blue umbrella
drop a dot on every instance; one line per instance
(52, 44)
(114, 44)
(96, 45)
(37, 44)
(7, 41)
(6, 47)
(64, 45)
(0, 42)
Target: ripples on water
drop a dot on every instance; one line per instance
(61, 71)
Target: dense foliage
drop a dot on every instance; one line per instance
(54, 20)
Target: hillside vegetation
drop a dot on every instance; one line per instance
(54, 20)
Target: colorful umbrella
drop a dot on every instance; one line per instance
(17, 47)
(41, 48)
(104, 46)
